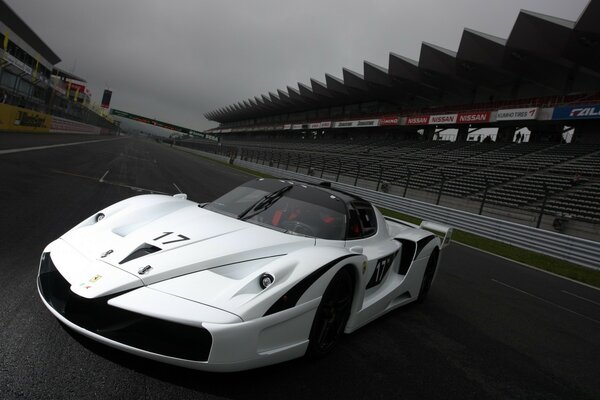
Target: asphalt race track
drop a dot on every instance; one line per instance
(490, 328)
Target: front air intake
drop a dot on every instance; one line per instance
(155, 335)
(141, 251)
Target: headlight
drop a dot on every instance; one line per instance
(266, 280)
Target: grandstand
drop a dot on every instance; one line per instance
(35, 95)
(382, 129)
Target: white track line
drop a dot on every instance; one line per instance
(177, 187)
(582, 298)
(546, 301)
(9, 151)
(528, 266)
(135, 188)
(104, 176)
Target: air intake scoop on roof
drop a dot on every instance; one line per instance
(141, 251)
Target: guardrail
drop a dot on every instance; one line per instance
(570, 248)
(577, 250)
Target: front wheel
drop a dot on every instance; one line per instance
(332, 315)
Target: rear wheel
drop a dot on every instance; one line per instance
(429, 274)
(332, 315)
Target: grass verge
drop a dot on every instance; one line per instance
(541, 261)
(242, 169)
(537, 260)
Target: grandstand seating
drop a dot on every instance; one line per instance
(582, 201)
(517, 175)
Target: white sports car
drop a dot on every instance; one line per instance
(271, 271)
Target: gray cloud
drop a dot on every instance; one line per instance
(177, 59)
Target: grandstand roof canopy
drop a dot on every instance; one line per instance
(18, 26)
(67, 75)
(555, 55)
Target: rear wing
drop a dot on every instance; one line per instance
(439, 229)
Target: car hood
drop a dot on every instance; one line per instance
(163, 237)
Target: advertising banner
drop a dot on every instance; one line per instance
(315, 125)
(443, 119)
(345, 124)
(16, 62)
(296, 127)
(389, 121)
(363, 123)
(474, 117)
(76, 87)
(287, 127)
(17, 119)
(420, 120)
(326, 124)
(106, 98)
(517, 114)
(367, 122)
(577, 112)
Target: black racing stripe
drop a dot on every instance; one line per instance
(422, 243)
(407, 256)
(290, 299)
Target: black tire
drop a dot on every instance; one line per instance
(429, 274)
(332, 315)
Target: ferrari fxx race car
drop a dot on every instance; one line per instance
(271, 271)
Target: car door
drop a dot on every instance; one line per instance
(367, 234)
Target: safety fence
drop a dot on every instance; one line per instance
(577, 250)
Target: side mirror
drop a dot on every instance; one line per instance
(356, 249)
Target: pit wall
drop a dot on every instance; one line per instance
(18, 119)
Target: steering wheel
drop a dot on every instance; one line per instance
(298, 227)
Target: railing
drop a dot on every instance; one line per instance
(548, 101)
(577, 250)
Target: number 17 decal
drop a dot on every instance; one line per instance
(381, 268)
(181, 238)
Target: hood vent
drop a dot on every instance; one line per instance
(141, 251)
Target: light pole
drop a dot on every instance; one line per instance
(485, 190)
(539, 221)
(441, 189)
(357, 173)
(380, 176)
(407, 181)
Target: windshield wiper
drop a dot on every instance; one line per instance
(264, 203)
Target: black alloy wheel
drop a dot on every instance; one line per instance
(332, 314)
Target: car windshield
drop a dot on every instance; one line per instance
(291, 207)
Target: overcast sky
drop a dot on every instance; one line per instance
(177, 59)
